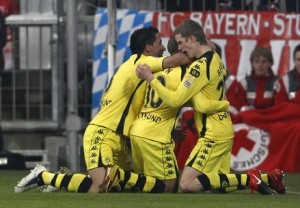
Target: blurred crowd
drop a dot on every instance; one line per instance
(246, 5)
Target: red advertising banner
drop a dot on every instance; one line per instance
(237, 33)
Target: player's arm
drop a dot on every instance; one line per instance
(177, 59)
(204, 105)
(159, 63)
(154, 64)
(191, 84)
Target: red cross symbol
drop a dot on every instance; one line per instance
(241, 141)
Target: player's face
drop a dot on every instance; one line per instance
(297, 61)
(185, 45)
(261, 66)
(157, 47)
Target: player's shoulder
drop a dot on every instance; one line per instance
(150, 58)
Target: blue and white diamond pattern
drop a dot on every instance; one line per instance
(127, 22)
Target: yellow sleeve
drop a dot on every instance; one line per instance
(155, 63)
(191, 84)
(203, 105)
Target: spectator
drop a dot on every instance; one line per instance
(288, 87)
(263, 5)
(285, 111)
(183, 5)
(256, 91)
(225, 5)
(282, 120)
(292, 5)
(238, 4)
(267, 5)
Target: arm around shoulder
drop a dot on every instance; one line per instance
(175, 60)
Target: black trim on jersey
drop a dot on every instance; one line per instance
(190, 164)
(100, 163)
(203, 131)
(120, 128)
(183, 71)
(209, 58)
(138, 56)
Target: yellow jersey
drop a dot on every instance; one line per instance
(205, 75)
(156, 119)
(123, 97)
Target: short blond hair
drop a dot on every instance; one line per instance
(191, 28)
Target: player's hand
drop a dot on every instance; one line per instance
(178, 134)
(143, 71)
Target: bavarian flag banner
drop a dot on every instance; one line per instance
(127, 22)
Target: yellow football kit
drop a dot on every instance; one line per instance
(152, 147)
(205, 75)
(120, 105)
(122, 99)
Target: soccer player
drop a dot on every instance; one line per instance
(104, 138)
(154, 161)
(208, 166)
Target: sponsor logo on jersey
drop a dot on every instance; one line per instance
(189, 80)
(105, 102)
(150, 117)
(195, 71)
(223, 115)
(251, 148)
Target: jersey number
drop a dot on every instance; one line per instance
(221, 87)
(150, 96)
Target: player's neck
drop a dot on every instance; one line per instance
(202, 49)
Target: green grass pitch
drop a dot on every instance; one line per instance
(35, 199)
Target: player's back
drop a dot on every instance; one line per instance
(122, 99)
(156, 119)
(218, 125)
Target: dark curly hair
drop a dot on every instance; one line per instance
(141, 37)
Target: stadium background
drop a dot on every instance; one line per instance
(36, 50)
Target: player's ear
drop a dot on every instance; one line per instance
(148, 48)
(192, 38)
